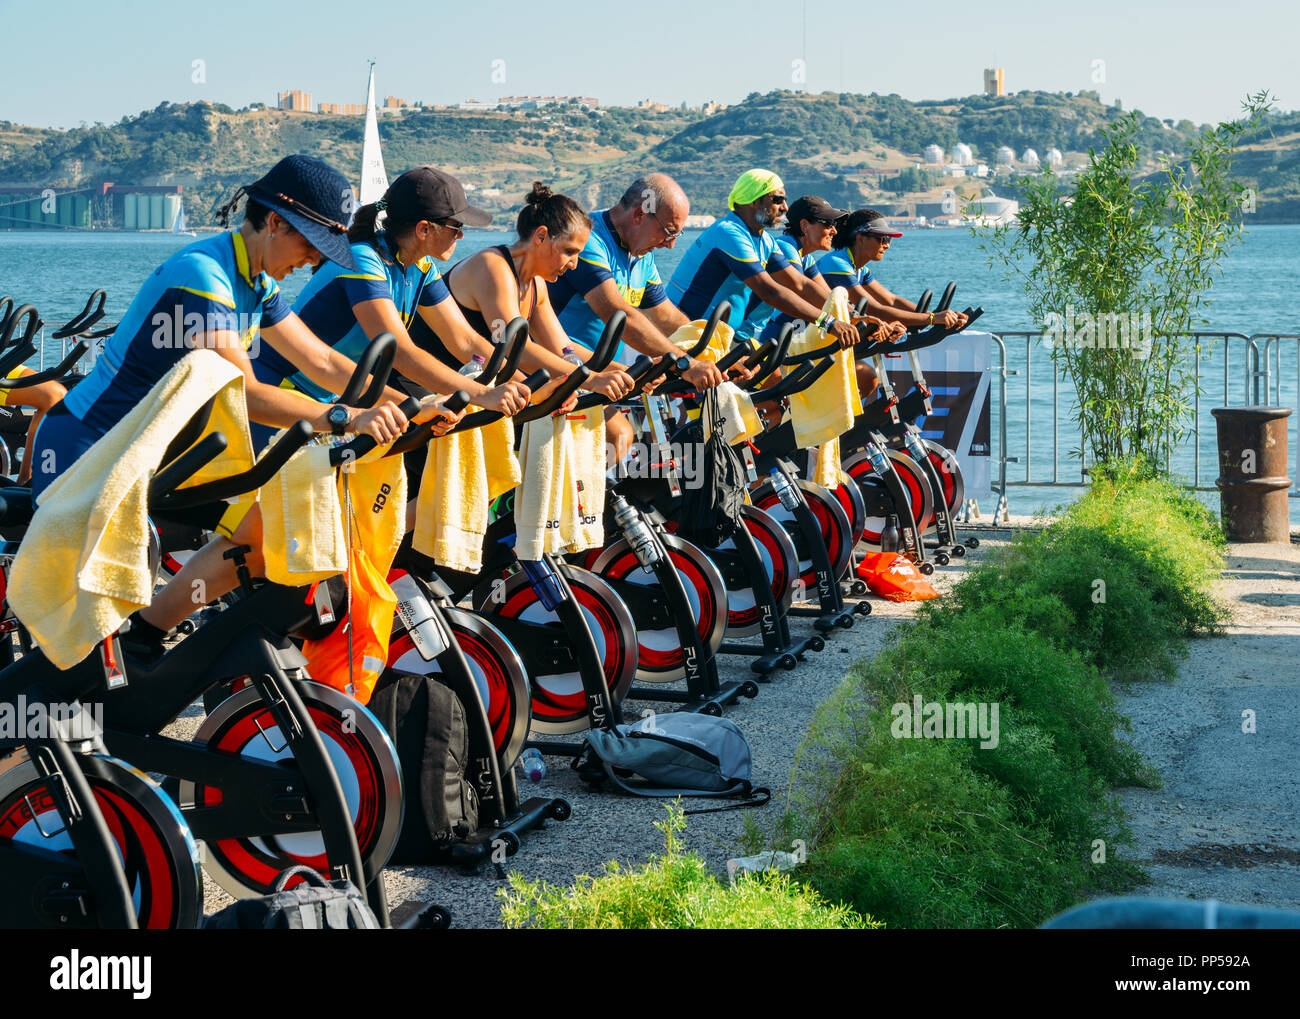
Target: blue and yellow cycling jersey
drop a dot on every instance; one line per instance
(716, 266)
(758, 316)
(604, 258)
(839, 271)
(325, 305)
(203, 288)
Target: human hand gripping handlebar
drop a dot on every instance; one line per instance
(421, 434)
(643, 371)
(377, 358)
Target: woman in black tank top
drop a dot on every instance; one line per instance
(507, 281)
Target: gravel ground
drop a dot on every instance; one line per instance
(1226, 825)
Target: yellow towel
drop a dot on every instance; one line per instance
(464, 472)
(83, 565)
(587, 467)
(825, 410)
(376, 485)
(554, 455)
(740, 419)
(302, 520)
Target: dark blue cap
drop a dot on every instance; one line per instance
(315, 199)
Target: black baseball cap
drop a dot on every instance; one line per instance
(812, 207)
(315, 199)
(426, 193)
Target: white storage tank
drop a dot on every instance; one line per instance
(1030, 158)
(156, 220)
(171, 209)
(129, 217)
(933, 154)
(961, 154)
(1054, 158)
(1006, 155)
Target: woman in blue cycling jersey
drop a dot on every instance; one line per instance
(220, 293)
(395, 243)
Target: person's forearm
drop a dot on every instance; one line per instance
(643, 336)
(666, 316)
(426, 370)
(280, 408)
(784, 300)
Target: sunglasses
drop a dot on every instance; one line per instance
(774, 199)
(457, 229)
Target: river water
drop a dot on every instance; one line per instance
(56, 271)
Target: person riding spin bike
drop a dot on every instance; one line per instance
(737, 256)
(863, 237)
(424, 213)
(507, 281)
(616, 271)
(220, 293)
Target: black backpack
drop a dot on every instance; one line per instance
(710, 509)
(316, 904)
(427, 723)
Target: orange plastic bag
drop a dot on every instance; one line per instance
(371, 623)
(893, 576)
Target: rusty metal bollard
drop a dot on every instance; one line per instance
(1253, 481)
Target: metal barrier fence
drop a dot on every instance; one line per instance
(1253, 373)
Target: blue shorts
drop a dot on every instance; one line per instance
(59, 443)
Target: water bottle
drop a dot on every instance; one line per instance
(637, 533)
(879, 463)
(533, 764)
(890, 538)
(544, 582)
(785, 489)
(475, 367)
(573, 359)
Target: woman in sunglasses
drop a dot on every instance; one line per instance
(860, 239)
(507, 281)
(395, 284)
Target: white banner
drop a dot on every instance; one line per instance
(957, 372)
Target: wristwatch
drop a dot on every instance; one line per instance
(339, 417)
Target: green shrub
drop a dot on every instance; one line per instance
(948, 833)
(909, 833)
(1122, 577)
(673, 891)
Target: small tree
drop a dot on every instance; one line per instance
(1124, 255)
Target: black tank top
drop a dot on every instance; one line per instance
(429, 341)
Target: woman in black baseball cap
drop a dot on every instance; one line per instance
(220, 293)
(394, 285)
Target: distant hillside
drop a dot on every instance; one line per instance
(845, 146)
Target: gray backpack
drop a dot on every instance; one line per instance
(316, 904)
(677, 754)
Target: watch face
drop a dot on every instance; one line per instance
(338, 416)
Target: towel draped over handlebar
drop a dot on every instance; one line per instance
(825, 410)
(83, 566)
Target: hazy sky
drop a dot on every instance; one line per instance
(73, 60)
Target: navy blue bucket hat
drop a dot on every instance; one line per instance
(315, 199)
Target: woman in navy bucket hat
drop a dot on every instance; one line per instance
(220, 293)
